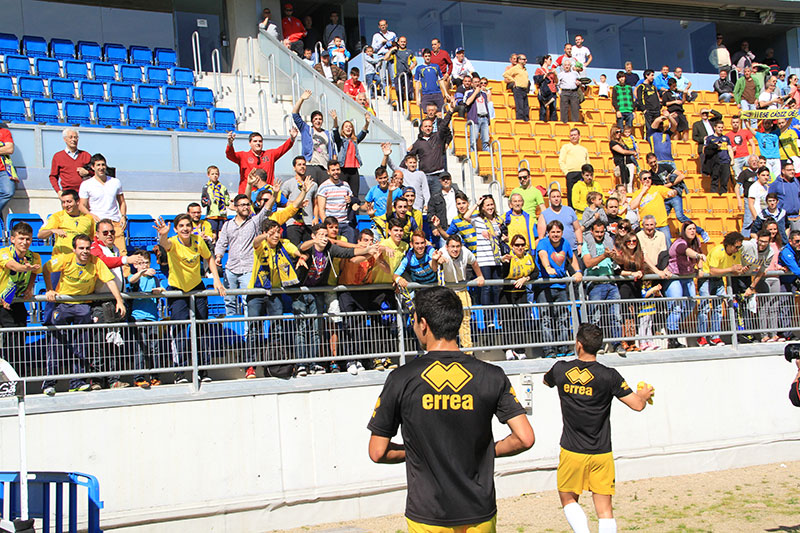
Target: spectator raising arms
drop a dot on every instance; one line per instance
(347, 146)
(318, 144)
(257, 157)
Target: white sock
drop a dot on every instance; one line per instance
(607, 525)
(576, 518)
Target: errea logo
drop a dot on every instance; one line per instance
(579, 379)
(455, 376)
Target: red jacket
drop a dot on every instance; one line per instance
(353, 88)
(442, 59)
(293, 29)
(110, 261)
(247, 161)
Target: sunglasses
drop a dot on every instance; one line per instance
(632, 241)
(247, 204)
(519, 244)
(109, 232)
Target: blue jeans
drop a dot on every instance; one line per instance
(146, 349)
(68, 344)
(179, 309)
(599, 292)
(748, 220)
(679, 288)
(745, 105)
(7, 188)
(307, 346)
(373, 78)
(481, 127)
(267, 305)
(234, 281)
(667, 233)
(710, 287)
(726, 97)
(676, 203)
(625, 120)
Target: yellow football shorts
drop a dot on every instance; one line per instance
(490, 526)
(578, 472)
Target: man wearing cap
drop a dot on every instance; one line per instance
(293, 30)
(331, 72)
(462, 67)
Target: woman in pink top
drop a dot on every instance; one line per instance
(684, 260)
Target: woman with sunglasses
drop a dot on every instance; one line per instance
(624, 228)
(520, 268)
(631, 260)
(623, 158)
(685, 258)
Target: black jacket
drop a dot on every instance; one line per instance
(331, 251)
(431, 151)
(438, 207)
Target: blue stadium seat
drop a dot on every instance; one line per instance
(30, 87)
(34, 220)
(115, 53)
(92, 91)
(141, 55)
(120, 93)
(44, 111)
(202, 97)
(156, 75)
(78, 113)
(76, 70)
(62, 89)
(47, 67)
(176, 96)
(138, 116)
(168, 117)
(107, 114)
(223, 119)
(6, 86)
(13, 109)
(33, 46)
(182, 77)
(130, 74)
(104, 72)
(148, 94)
(141, 233)
(17, 66)
(89, 51)
(62, 49)
(166, 57)
(9, 44)
(196, 118)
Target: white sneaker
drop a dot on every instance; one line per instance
(317, 369)
(352, 367)
(359, 366)
(510, 355)
(521, 355)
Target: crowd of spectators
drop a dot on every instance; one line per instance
(303, 231)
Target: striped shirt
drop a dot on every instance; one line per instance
(466, 231)
(336, 197)
(488, 250)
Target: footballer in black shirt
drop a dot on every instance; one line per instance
(586, 389)
(444, 402)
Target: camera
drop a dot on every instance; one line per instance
(792, 351)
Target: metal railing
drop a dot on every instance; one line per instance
(308, 335)
(263, 111)
(238, 85)
(251, 65)
(198, 61)
(273, 79)
(501, 183)
(288, 124)
(216, 70)
(466, 169)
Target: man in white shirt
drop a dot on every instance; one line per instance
(462, 67)
(719, 56)
(266, 24)
(684, 86)
(769, 99)
(757, 195)
(383, 39)
(101, 197)
(568, 86)
(581, 53)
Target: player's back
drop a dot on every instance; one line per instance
(445, 402)
(586, 390)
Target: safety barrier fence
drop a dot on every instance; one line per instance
(300, 328)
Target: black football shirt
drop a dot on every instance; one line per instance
(586, 390)
(445, 402)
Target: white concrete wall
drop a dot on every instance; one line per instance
(264, 461)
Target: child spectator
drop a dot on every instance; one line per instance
(308, 57)
(650, 290)
(353, 85)
(378, 194)
(602, 86)
(215, 199)
(145, 339)
(339, 54)
(371, 66)
(594, 211)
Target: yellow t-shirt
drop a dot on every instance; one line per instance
(13, 284)
(717, 258)
(185, 267)
(281, 216)
(394, 261)
(417, 215)
(336, 265)
(203, 229)
(653, 204)
(579, 192)
(516, 226)
(264, 260)
(72, 226)
(519, 268)
(77, 279)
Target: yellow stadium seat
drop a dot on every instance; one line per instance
(527, 145)
(542, 129)
(733, 223)
(538, 179)
(733, 204)
(591, 116)
(498, 99)
(510, 162)
(550, 163)
(715, 226)
(590, 145)
(547, 145)
(605, 182)
(521, 128)
(501, 127)
(698, 203)
(608, 117)
(484, 162)
(503, 113)
(601, 131)
(534, 162)
(561, 130)
(599, 163)
(674, 225)
(604, 104)
(507, 144)
(497, 86)
(533, 103)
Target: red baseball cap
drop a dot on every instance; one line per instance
(288, 6)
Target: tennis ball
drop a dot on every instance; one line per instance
(642, 385)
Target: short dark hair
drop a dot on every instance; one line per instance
(647, 72)
(268, 224)
(402, 198)
(254, 135)
(331, 221)
(104, 221)
(554, 224)
(764, 232)
(426, 51)
(461, 195)
(599, 222)
(240, 197)
(316, 227)
(380, 171)
(315, 113)
(587, 168)
(455, 238)
(97, 157)
(179, 218)
(366, 231)
(441, 309)
(260, 173)
(193, 204)
(772, 196)
(590, 337)
(70, 192)
(620, 74)
(355, 70)
(298, 158)
(394, 222)
(762, 169)
(22, 228)
(334, 162)
(732, 238)
(80, 237)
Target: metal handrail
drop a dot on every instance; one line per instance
(527, 163)
(295, 86)
(251, 71)
(402, 95)
(216, 70)
(273, 78)
(467, 131)
(288, 123)
(323, 107)
(238, 81)
(468, 165)
(198, 61)
(502, 181)
(263, 111)
(318, 49)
